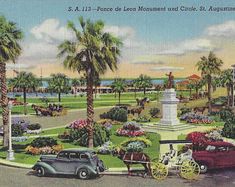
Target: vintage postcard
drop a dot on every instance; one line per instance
(102, 93)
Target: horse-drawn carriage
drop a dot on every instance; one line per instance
(181, 162)
(51, 110)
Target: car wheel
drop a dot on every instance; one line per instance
(40, 172)
(203, 168)
(83, 173)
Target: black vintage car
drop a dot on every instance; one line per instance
(83, 163)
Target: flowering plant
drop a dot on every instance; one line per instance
(130, 129)
(78, 124)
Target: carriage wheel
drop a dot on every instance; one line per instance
(189, 170)
(159, 171)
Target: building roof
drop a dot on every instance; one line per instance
(194, 77)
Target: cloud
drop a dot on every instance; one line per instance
(167, 68)
(148, 62)
(193, 45)
(19, 66)
(226, 29)
(119, 31)
(51, 31)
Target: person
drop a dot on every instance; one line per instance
(172, 151)
(186, 155)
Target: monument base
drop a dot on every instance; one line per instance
(167, 127)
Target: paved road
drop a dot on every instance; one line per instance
(15, 177)
(72, 115)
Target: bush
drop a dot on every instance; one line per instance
(154, 112)
(80, 136)
(43, 142)
(34, 126)
(229, 128)
(185, 110)
(78, 124)
(17, 121)
(226, 114)
(17, 130)
(130, 129)
(142, 119)
(116, 113)
(136, 144)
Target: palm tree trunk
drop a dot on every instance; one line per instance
(90, 110)
(144, 90)
(59, 97)
(209, 93)
(95, 91)
(228, 95)
(119, 97)
(25, 107)
(190, 92)
(135, 93)
(4, 104)
(232, 95)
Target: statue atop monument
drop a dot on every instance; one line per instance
(170, 80)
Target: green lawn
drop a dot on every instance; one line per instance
(109, 160)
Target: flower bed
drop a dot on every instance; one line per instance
(78, 124)
(34, 129)
(196, 118)
(130, 129)
(43, 145)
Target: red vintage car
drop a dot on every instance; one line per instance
(217, 155)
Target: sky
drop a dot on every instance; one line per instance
(155, 42)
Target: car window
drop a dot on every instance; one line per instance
(84, 157)
(63, 155)
(74, 156)
(210, 148)
(222, 148)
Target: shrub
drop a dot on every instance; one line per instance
(78, 124)
(145, 141)
(130, 129)
(17, 130)
(17, 121)
(34, 126)
(80, 136)
(135, 147)
(229, 128)
(226, 114)
(64, 136)
(116, 113)
(154, 112)
(43, 142)
(185, 110)
(142, 119)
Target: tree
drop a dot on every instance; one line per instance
(59, 83)
(75, 84)
(209, 66)
(135, 84)
(24, 81)
(119, 86)
(226, 80)
(92, 52)
(10, 49)
(190, 86)
(144, 82)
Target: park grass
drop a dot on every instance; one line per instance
(110, 161)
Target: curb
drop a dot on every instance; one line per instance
(117, 171)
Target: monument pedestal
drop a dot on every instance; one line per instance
(169, 119)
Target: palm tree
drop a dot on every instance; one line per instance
(24, 81)
(92, 52)
(226, 80)
(75, 84)
(10, 49)
(190, 86)
(135, 84)
(209, 66)
(119, 86)
(144, 82)
(59, 83)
